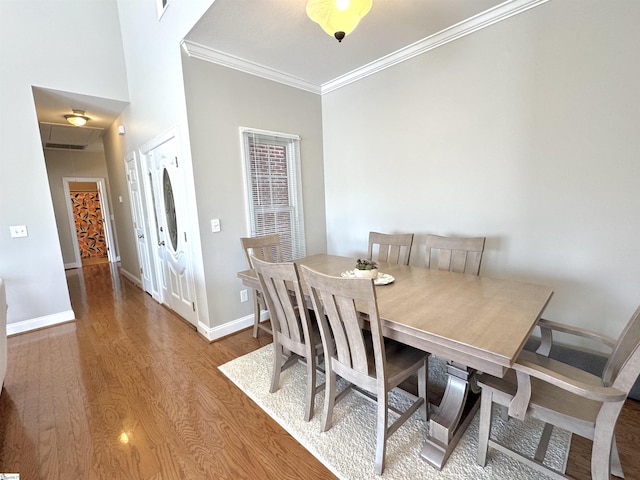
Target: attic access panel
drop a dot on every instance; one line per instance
(77, 138)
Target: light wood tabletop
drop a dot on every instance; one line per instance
(473, 321)
(479, 321)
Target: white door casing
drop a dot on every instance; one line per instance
(171, 252)
(141, 225)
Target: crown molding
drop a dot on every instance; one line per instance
(459, 30)
(203, 52)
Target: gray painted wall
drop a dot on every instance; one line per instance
(70, 164)
(525, 132)
(219, 102)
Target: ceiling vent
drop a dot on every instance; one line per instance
(64, 146)
(67, 137)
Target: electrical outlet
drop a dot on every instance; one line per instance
(215, 225)
(18, 231)
(244, 296)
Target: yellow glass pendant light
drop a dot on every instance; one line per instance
(338, 17)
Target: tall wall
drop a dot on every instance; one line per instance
(156, 91)
(220, 101)
(40, 46)
(524, 132)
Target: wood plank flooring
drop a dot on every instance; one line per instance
(129, 391)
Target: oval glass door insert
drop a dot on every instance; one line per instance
(170, 210)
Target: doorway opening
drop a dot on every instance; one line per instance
(88, 212)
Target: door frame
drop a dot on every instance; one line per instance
(151, 210)
(137, 162)
(106, 217)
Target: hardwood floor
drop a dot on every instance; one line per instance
(129, 391)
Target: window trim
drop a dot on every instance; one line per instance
(294, 182)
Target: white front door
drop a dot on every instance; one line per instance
(141, 225)
(174, 269)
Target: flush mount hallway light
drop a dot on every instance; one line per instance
(338, 17)
(77, 118)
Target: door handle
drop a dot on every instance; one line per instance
(141, 235)
(161, 244)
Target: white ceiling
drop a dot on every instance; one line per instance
(276, 39)
(278, 35)
(53, 105)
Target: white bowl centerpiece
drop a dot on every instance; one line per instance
(366, 269)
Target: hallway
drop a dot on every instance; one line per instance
(129, 391)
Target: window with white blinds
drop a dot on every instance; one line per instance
(274, 188)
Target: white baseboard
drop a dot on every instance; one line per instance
(69, 266)
(214, 333)
(40, 322)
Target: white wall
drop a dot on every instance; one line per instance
(219, 102)
(525, 132)
(40, 46)
(153, 61)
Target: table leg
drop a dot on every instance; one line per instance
(456, 410)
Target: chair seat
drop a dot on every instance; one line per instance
(315, 338)
(574, 413)
(566, 397)
(401, 358)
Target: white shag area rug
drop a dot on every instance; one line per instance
(348, 448)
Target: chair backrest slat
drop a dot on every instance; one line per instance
(391, 248)
(342, 300)
(353, 351)
(281, 289)
(454, 254)
(266, 247)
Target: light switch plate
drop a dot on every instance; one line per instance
(18, 231)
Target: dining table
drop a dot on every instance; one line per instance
(476, 323)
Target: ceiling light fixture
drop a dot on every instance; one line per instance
(338, 17)
(77, 118)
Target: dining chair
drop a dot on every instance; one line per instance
(567, 397)
(390, 248)
(295, 334)
(455, 254)
(372, 365)
(266, 247)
